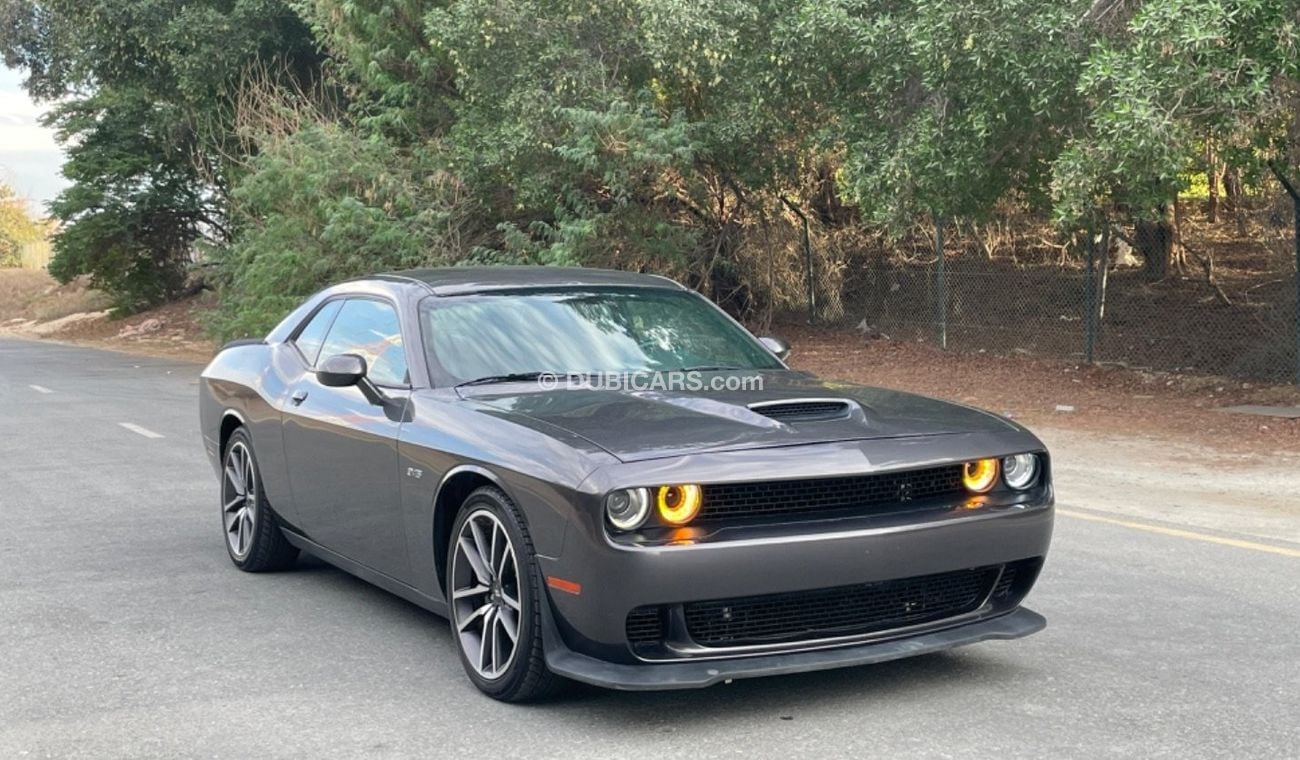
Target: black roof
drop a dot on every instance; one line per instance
(460, 280)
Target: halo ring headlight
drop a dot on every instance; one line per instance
(628, 508)
(980, 475)
(1020, 471)
(678, 505)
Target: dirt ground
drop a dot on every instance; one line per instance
(1059, 394)
(33, 305)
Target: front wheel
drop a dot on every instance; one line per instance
(495, 600)
(253, 537)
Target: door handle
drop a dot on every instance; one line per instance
(298, 397)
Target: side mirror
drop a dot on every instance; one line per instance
(778, 347)
(341, 371)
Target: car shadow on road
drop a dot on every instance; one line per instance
(776, 698)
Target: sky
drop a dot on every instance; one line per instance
(29, 157)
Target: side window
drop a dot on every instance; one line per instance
(371, 330)
(311, 337)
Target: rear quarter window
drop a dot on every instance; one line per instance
(312, 335)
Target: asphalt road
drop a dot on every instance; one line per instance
(125, 631)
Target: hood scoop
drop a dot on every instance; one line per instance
(803, 410)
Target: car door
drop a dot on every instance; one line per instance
(341, 446)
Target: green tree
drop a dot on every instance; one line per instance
(941, 107)
(325, 204)
(639, 133)
(1163, 78)
(383, 56)
(619, 132)
(657, 132)
(145, 91)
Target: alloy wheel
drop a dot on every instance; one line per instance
(485, 597)
(239, 499)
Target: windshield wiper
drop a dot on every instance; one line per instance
(513, 377)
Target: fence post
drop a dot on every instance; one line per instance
(941, 310)
(1295, 211)
(1295, 203)
(1090, 298)
(812, 273)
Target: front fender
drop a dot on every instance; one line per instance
(246, 381)
(448, 437)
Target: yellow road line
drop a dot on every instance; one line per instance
(1179, 533)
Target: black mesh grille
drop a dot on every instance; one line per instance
(792, 497)
(840, 611)
(1016, 580)
(645, 625)
(803, 411)
(1005, 583)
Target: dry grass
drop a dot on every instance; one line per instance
(26, 294)
(34, 305)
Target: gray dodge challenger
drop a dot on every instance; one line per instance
(600, 476)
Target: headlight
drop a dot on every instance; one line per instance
(1020, 471)
(980, 475)
(628, 509)
(679, 505)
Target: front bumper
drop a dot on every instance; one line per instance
(757, 569)
(698, 674)
(615, 580)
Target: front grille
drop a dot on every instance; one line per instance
(856, 492)
(802, 411)
(645, 625)
(840, 611)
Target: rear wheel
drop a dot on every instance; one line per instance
(495, 599)
(253, 537)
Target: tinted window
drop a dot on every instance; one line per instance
(370, 329)
(596, 331)
(313, 335)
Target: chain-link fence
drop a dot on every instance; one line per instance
(1222, 300)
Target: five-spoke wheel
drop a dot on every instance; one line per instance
(485, 594)
(253, 536)
(239, 499)
(495, 599)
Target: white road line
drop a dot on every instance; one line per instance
(134, 428)
(1187, 534)
(40, 389)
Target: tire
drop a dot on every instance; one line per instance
(252, 532)
(522, 675)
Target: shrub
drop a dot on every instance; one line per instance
(326, 204)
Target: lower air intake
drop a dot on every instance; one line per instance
(839, 611)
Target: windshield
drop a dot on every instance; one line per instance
(591, 331)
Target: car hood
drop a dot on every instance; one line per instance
(654, 423)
